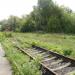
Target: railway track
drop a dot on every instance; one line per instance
(51, 63)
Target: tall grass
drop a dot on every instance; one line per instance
(21, 63)
(60, 43)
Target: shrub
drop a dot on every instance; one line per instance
(67, 52)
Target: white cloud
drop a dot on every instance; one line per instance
(67, 3)
(15, 7)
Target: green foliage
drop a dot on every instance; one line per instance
(67, 52)
(21, 63)
(2, 37)
(28, 25)
(72, 73)
(47, 16)
(60, 43)
(8, 34)
(11, 24)
(33, 43)
(54, 25)
(31, 68)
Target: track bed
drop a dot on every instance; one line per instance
(51, 63)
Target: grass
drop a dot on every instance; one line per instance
(72, 73)
(60, 43)
(21, 63)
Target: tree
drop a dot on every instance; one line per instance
(45, 8)
(28, 24)
(13, 23)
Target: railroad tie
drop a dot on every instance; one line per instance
(58, 61)
(48, 59)
(66, 65)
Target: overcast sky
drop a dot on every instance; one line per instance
(20, 7)
(67, 3)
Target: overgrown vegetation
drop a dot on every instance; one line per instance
(60, 43)
(21, 63)
(47, 16)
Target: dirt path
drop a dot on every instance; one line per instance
(5, 68)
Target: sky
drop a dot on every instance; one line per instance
(67, 3)
(23, 7)
(15, 7)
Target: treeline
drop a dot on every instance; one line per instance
(47, 16)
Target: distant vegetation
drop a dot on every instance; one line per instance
(47, 16)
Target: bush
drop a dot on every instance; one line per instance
(67, 52)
